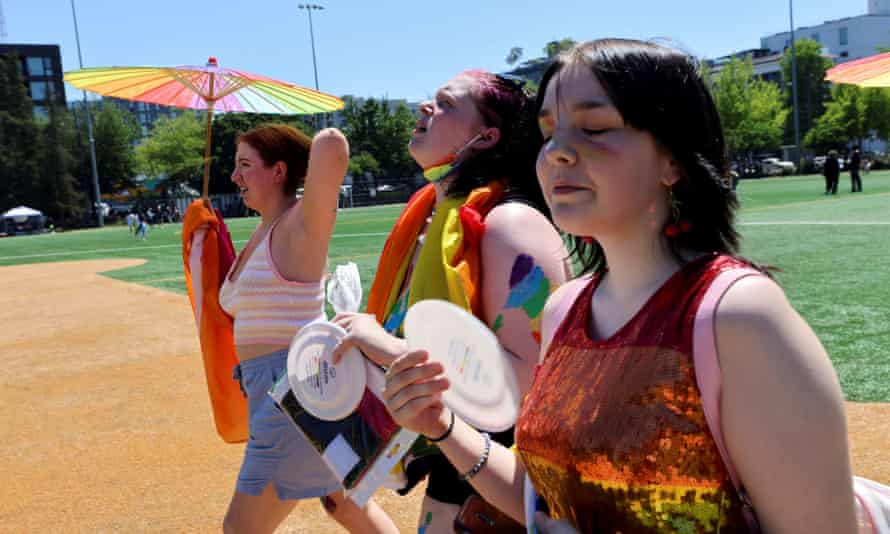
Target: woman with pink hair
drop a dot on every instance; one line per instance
(457, 240)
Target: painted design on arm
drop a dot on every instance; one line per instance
(529, 289)
(426, 523)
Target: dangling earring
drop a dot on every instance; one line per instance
(675, 225)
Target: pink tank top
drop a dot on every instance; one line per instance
(268, 309)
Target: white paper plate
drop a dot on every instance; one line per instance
(483, 391)
(327, 391)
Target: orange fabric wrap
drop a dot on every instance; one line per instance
(215, 327)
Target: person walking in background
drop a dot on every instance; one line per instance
(855, 179)
(132, 221)
(832, 173)
(141, 227)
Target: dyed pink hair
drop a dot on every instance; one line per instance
(497, 98)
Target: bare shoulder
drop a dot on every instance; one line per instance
(511, 217)
(517, 225)
(755, 314)
(780, 393)
(751, 301)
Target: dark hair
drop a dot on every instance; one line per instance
(660, 90)
(280, 142)
(504, 104)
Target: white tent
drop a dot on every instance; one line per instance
(21, 213)
(22, 220)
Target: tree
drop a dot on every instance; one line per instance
(514, 55)
(751, 110)
(851, 116)
(393, 139)
(363, 163)
(174, 151)
(380, 132)
(58, 195)
(553, 48)
(877, 115)
(532, 70)
(19, 136)
(115, 131)
(812, 91)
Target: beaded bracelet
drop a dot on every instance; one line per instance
(482, 460)
(446, 434)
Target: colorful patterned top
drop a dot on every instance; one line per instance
(613, 433)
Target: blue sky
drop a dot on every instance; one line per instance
(392, 48)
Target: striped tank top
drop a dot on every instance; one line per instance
(267, 308)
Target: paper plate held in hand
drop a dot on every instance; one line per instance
(483, 391)
(327, 391)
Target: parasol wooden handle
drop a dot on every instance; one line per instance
(210, 101)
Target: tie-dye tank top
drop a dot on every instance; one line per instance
(613, 434)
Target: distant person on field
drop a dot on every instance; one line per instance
(141, 228)
(855, 179)
(832, 172)
(132, 221)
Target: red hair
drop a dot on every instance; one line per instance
(280, 142)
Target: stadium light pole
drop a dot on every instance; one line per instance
(794, 88)
(100, 217)
(309, 8)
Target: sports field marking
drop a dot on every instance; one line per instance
(154, 280)
(808, 202)
(815, 223)
(182, 277)
(145, 247)
(78, 252)
(342, 222)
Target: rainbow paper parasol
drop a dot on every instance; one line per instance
(872, 71)
(210, 87)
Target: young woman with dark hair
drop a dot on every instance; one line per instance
(613, 434)
(457, 240)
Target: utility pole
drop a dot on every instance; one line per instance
(794, 88)
(100, 217)
(2, 24)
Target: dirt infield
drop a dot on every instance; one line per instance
(106, 422)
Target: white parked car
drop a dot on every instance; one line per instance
(777, 167)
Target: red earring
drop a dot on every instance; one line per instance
(675, 226)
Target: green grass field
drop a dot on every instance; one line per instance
(834, 253)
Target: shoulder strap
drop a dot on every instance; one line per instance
(550, 323)
(710, 381)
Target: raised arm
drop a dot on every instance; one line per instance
(782, 413)
(328, 160)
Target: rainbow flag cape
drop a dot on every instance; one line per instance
(449, 265)
(207, 254)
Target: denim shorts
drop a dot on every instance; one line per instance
(276, 451)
